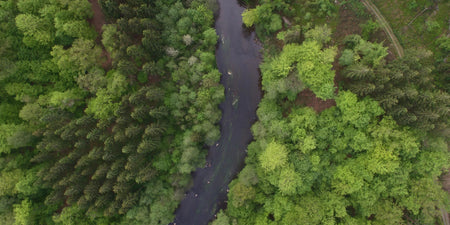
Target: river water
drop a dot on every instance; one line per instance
(238, 58)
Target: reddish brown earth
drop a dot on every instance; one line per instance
(348, 24)
(308, 98)
(98, 19)
(97, 22)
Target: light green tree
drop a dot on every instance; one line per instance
(35, 29)
(23, 213)
(321, 34)
(273, 157)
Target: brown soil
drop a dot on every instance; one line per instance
(308, 98)
(97, 22)
(348, 24)
(153, 79)
(98, 19)
(445, 179)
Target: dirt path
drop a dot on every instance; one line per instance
(98, 19)
(97, 22)
(385, 25)
(445, 217)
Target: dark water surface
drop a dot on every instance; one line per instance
(238, 59)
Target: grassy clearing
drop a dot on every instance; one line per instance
(416, 23)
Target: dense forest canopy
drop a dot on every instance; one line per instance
(106, 108)
(93, 122)
(376, 156)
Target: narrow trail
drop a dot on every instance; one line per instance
(385, 25)
(97, 22)
(445, 217)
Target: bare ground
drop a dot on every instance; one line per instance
(97, 22)
(309, 99)
(348, 24)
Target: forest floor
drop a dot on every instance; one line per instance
(97, 22)
(308, 98)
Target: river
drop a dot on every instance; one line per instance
(238, 57)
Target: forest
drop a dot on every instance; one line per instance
(107, 107)
(93, 121)
(371, 146)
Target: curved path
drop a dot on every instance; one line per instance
(238, 59)
(385, 25)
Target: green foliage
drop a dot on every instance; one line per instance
(13, 136)
(432, 25)
(81, 57)
(23, 213)
(369, 28)
(222, 219)
(26, 185)
(79, 29)
(292, 35)
(325, 7)
(401, 87)
(210, 37)
(320, 34)
(36, 30)
(349, 163)
(9, 180)
(347, 58)
(289, 181)
(357, 113)
(273, 157)
(311, 64)
(98, 141)
(249, 17)
(73, 216)
(444, 44)
(239, 193)
(263, 16)
(314, 69)
(109, 37)
(365, 52)
(372, 53)
(412, 5)
(65, 100)
(107, 99)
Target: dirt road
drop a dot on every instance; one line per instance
(385, 25)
